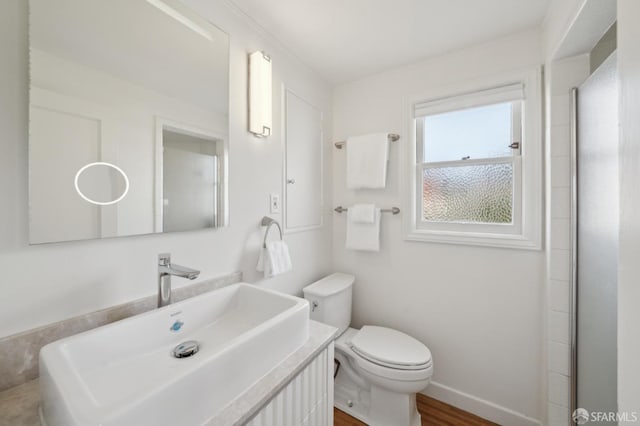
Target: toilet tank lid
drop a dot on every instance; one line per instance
(332, 284)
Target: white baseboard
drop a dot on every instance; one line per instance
(479, 407)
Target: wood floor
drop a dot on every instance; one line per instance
(433, 413)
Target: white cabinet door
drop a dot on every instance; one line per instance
(303, 164)
(306, 401)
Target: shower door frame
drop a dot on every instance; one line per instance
(574, 253)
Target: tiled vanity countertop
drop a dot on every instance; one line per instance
(19, 405)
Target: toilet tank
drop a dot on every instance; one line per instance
(330, 300)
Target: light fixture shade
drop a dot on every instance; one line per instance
(260, 94)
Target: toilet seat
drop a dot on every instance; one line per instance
(390, 348)
(390, 371)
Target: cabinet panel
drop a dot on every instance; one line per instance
(306, 400)
(303, 163)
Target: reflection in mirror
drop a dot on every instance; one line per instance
(190, 161)
(101, 183)
(142, 85)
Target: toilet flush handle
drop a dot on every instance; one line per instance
(314, 305)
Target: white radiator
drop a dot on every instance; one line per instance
(307, 399)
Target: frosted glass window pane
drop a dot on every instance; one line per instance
(476, 193)
(481, 132)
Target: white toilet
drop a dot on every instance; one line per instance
(381, 369)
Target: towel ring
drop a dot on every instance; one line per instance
(269, 222)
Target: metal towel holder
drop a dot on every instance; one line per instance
(393, 210)
(269, 222)
(393, 137)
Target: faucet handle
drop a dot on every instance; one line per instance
(164, 259)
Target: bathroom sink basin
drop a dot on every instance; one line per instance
(125, 373)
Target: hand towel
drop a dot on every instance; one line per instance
(363, 236)
(363, 213)
(274, 259)
(367, 158)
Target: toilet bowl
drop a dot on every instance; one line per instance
(380, 369)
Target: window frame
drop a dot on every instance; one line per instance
(515, 157)
(525, 231)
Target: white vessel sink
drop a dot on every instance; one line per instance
(125, 373)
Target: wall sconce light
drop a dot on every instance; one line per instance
(260, 94)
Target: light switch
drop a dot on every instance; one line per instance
(274, 200)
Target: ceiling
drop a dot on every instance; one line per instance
(348, 39)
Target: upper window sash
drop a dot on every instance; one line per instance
(517, 136)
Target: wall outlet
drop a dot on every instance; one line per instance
(274, 201)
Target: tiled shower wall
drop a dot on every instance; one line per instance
(563, 76)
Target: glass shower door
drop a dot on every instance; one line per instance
(596, 257)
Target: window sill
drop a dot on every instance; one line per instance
(474, 239)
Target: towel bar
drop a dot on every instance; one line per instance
(393, 137)
(269, 222)
(393, 210)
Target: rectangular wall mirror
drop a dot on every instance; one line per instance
(128, 119)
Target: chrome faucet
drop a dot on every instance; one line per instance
(165, 270)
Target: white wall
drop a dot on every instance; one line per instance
(629, 269)
(43, 284)
(561, 15)
(479, 310)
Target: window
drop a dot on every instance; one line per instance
(477, 167)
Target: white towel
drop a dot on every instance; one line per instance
(274, 259)
(363, 213)
(367, 158)
(363, 236)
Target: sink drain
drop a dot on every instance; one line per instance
(186, 349)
